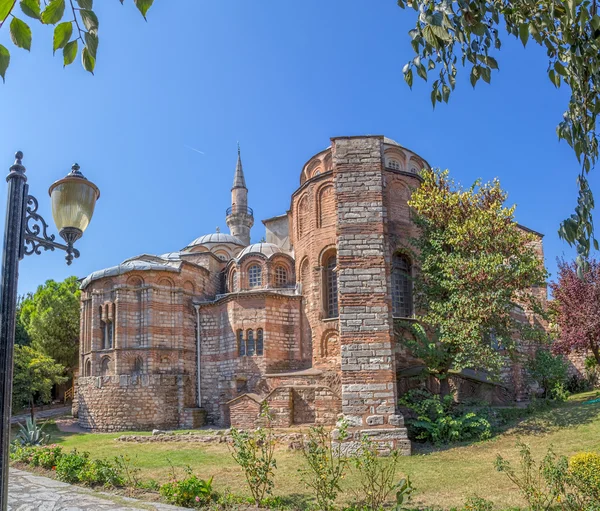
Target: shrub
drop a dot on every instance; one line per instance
(440, 420)
(475, 503)
(32, 434)
(101, 472)
(254, 452)
(576, 384)
(21, 453)
(46, 457)
(547, 370)
(584, 472)
(325, 464)
(70, 466)
(188, 492)
(559, 392)
(377, 476)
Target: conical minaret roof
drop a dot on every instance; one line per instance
(238, 179)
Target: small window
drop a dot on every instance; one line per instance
(393, 164)
(138, 366)
(331, 296)
(281, 276)
(109, 335)
(401, 287)
(104, 368)
(250, 344)
(255, 276)
(259, 342)
(241, 343)
(88, 368)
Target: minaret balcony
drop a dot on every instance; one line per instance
(239, 210)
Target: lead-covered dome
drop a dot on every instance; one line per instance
(217, 238)
(266, 249)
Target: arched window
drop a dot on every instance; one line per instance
(259, 342)
(255, 276)
(393, 164)
(281, 276)
(88, 368)
(104, 367)
(234, 281)
(401, 287)
(250, 344)
(109, 335)
(138, 366)
(241, 343)
(331, 287)
(102, 330)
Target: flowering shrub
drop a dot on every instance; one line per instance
(584, 472)
(189, 492)
(21, 453)
(46, 457)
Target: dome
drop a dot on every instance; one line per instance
(215, 239)
(389, 141)
(266, 249)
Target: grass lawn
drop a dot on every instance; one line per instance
(443, 477)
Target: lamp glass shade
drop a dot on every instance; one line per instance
(73, 201)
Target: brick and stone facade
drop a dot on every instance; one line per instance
(303, 322)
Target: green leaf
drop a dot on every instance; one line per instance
(70, 52)
(90, 20)
(143, 6)
(560, 69)
(4, 61)
(62, 34)
(88, 61)
(5, 8)
(85, 4)
(53, 13)
(474, 75)
(596, 244)
(524, 33)
(486, 74)
(20, 33)
(31, 8)
(491, 61)
(408, 78)
(91, 43)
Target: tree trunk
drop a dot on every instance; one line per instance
(444, 385)
(596, 353)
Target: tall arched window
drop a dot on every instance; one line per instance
(241, 343)
(250, 344)
(393, 164)
(109, 335)
(402, 305)
(259, 342)
(255, 276)
(331, 287)
(234, 281)
(88, 368)
(281, 276)
(138, 366)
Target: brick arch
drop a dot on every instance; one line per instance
(244, 267)
(330, 344)
(105, 368)
(189, 286)
(87, 367)
(166, 282)
(303, 215)
(395, 154)
(415, 165)
(328, 162)
(398, 194)
(280, 262)
(326, 210)
(135, 281)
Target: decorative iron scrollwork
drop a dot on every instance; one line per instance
(35, 233)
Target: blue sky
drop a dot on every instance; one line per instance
(280, 77)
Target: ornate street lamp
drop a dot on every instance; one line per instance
(73, 200)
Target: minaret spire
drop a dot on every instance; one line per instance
(240, 218)
(238, 179)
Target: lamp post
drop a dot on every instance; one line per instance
(73, 199)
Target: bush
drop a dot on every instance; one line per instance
(576, 384)
(440, 420)
(584, 472)
(475, 503)
(76, 467)
(325, 464)
(46, 457)
(189, 492)
(547, 370)
(70, 466)
(254, 452)
(21, 453)
(377, 477)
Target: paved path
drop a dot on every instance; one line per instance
(29, 492)
(42, 414)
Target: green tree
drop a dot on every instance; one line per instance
(75, 27)
(468, 33)
(21, 335)
(474, 261)
(51, 318)
(34, 376)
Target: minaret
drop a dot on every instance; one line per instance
(240, 217)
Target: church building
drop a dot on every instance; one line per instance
(302, 322)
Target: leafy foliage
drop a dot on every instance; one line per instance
(34, 376)
(80, 24)
(547, 370)
(254, 453)
(576, 308)
(325, 464)
(475, 262)
(441, 421)
(377, 477)
(569, 30)
(51, 318)
(31, 434)
(188, 492)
